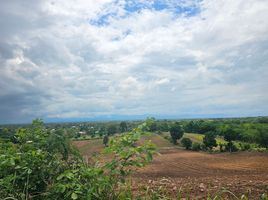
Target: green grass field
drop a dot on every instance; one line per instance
(195, 137)
(158, 140)
(199, 138)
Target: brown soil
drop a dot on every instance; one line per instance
(199, 174)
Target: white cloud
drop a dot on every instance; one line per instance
(147, 61)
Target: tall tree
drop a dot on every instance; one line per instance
(210, 140)
(105, 140)
(123, 127)
(176, 132)
(111, 129)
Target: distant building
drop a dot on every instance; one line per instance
(82, 132)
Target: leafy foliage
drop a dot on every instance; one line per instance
(210, 140)
(43, 165)
(105, 140)
(196, 146)
(176, 132)
(186, 142)
(111, 129)
(29, 167)
(123, 127)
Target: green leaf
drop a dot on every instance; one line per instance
(60, 177)
(74, 196)
(12, 162)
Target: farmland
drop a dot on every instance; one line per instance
(196, 174)
(151, 159)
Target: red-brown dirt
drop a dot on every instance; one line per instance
(198, 174)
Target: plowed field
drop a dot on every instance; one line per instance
(198, 174)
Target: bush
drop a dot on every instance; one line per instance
(221, 147)
(196, 146)
(262, 137)
(42, 166)
(210, 140)
(105, 140)
(203, 147)
(176, 132)
(186, 142)
(244, 146)
(230, 146)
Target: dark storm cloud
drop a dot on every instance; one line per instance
(16, 106)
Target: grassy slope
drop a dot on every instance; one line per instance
(199, 138)
(158, 140)
(89, 147)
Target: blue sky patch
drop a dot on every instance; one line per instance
(131, 7)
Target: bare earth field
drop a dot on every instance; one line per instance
(198, 174)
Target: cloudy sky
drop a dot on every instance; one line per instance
(110, 59)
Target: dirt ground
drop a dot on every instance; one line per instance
(196, 174)
(199, 174)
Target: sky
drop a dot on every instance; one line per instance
(122, 59)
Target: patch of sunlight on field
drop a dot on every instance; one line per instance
(157, 139)
(195, 137)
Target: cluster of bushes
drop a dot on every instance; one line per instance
(43, 165)
(244, 130)
(229, 134)
(232, 130)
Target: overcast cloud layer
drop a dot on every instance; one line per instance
(91, 59)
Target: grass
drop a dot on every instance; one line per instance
(162, 141)
(91, 146)
(195, 137)
(158, 140)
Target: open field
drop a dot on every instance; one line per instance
(199, 173)
(89, 147)
(196, 173)
(196, 137)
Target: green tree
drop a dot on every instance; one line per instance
(163, 126)
(196, 146)
(151, 124)
(210, 140)
(28, 167)
(105, 140)
(111, 129)
(32, 169)
(190, 127)
(262, 136)
(58, 142)
(186, 142)
(123, 127)
(229, 135)
(176, 132)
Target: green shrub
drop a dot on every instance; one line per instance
(230, 146)
(176, 132)
(245, 146)
(44, 166)
(196, 146)
(221, 147)
(210, 140)
(186, 142)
